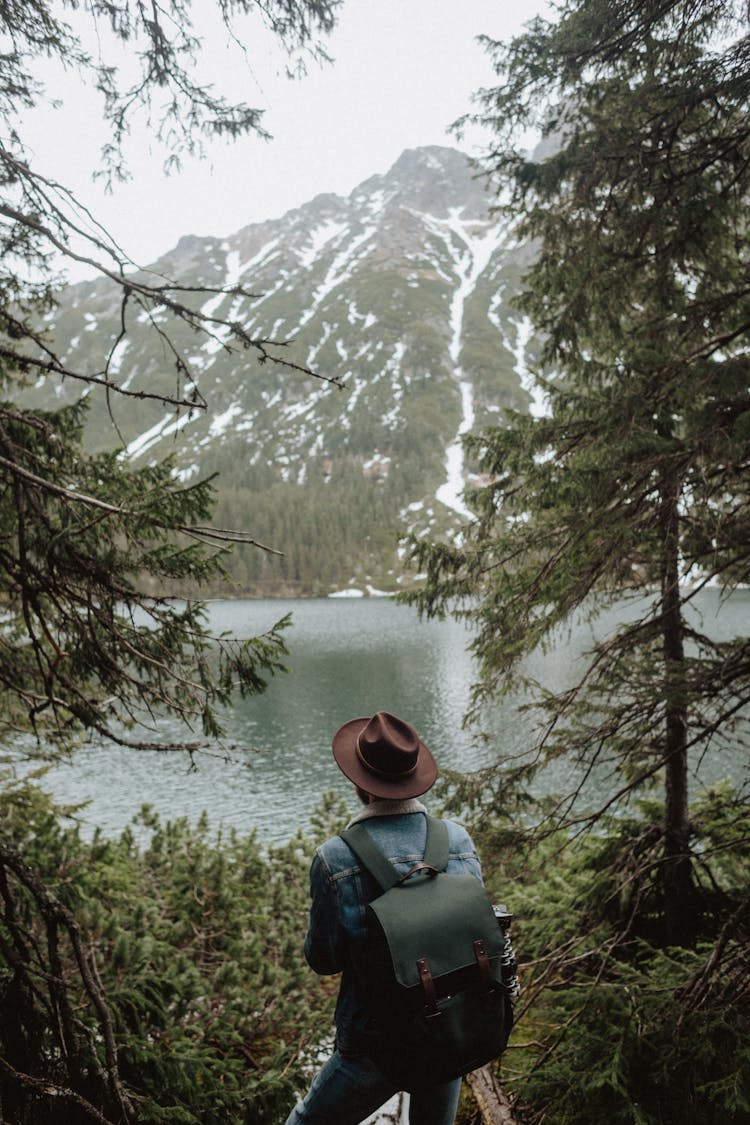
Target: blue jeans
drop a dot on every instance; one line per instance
(350, 1088)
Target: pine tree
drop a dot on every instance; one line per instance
(637, 480)
(90, 551)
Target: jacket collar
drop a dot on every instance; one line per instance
(386, 806)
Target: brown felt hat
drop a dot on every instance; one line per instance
(384, 756)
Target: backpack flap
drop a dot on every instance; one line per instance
(437, 919)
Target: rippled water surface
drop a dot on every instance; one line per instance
(348, 658)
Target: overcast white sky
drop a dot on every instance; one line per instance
(402, 71)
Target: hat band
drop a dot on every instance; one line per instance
(387, 775)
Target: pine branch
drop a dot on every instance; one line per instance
(57, 917)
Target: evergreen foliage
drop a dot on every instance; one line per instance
(88, 547)
(89, 641)
(612, 1025)
(85, 645)
(632, 491)
(194, 940)
(636, 481)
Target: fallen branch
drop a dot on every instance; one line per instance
(495, 1106)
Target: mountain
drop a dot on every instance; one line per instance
(401, 291)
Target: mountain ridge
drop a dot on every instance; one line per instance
(400, 290)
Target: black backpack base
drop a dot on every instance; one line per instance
(427, 1054)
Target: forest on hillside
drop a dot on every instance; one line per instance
(158, 976)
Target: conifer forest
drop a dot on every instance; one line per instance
(567, 324)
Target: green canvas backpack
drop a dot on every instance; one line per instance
(434, 966)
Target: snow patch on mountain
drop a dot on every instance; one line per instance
(317, 238)
(221, 422)
(115, 361)
(476, 246)
(539, 405)
(338, 272)
(168, 425)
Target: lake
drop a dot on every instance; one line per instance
(348, 657)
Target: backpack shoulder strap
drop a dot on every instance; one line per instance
(382, 870)
(436, 846)
(370, 855)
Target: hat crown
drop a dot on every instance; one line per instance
(384, 756)
(388, 746)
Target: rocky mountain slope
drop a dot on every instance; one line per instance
(400, 291)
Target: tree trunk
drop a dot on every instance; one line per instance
(677, 878)
(494, 1104)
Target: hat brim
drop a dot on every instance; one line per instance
(350, 764)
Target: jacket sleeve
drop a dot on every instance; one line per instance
(323, 945)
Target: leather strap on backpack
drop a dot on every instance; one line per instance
(428, 984)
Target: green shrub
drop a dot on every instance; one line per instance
(197, 940)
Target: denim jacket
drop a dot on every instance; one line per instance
(340, 890)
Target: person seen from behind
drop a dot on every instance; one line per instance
(390, 768)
